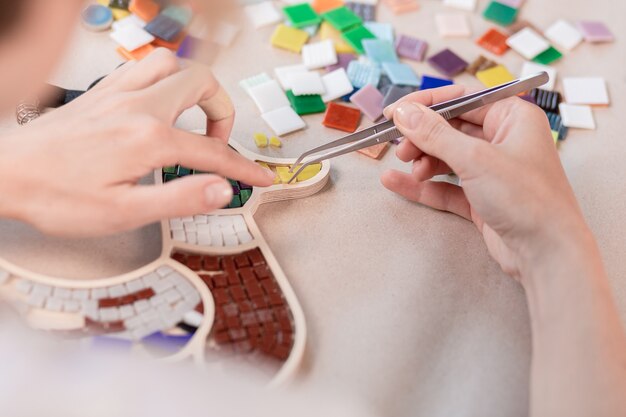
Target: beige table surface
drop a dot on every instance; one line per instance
(404, 307)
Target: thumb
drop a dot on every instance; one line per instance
(197, 194)
(430, 133)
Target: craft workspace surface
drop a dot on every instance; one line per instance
(405, 310)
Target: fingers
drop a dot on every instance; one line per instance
(430, 133)
(427, 167)
(437, 195)
(160, 64)
(468, 128)
(407, 151)
(188, 196)
(196, 85)
(514, 113)
(115, 76)
(440, 95)
(211, 155)
(220, 113)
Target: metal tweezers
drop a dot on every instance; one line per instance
(387, 131)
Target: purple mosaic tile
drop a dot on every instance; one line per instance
(370, 101)
(367, 12)
(411, 48)
(528, 98)
(595, 31)
(343, 60)
(188, 47)
(448, 63)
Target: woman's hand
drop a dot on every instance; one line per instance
(515, 191)
(513, 185)
(75, 171)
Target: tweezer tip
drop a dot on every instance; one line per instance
(295, 164)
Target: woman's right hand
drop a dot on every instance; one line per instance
(513, 185)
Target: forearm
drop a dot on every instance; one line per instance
(579, 344)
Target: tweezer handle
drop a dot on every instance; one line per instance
(454, 108)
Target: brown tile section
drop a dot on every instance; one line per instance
(251, 313)
(127, 299)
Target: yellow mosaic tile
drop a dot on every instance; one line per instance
(289, 38)
(260, 140)
(284, 174)
(495, 76)
(309, 172)
(275, 142)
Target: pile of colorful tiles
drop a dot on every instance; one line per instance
(365, 63)
(348, 64)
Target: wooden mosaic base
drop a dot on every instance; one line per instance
(216, 292)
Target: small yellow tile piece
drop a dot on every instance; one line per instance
(284, 174)
(495, 76)
(260, 140)
(309, 172)
(119, 13)
(289, 38)
(329, 32)
(275, 142)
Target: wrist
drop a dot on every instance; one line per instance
(566, 260)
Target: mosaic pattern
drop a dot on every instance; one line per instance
(214, 231)
(251, 313)
(140, 310)
(241, 191)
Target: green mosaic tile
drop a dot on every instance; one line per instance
(241, 191)
(306, 104)
(500, 13)
(354, 37)
(342, 18)
(245, 196)
(181, 171)
(549, 56)
(302, 15)
(235, 202)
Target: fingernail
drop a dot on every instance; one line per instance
(408, 115)
(270, 174)
(218, 193)
(388, 111)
